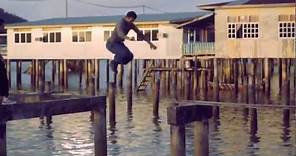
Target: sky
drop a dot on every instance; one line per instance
(42, 9)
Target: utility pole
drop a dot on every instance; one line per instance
(66, 8)
(143, 7)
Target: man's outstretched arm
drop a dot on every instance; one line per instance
(139, 33)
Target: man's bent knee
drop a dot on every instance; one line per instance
(128, 58)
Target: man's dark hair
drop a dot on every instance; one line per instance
(132, 14)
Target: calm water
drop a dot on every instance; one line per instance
(138, 134)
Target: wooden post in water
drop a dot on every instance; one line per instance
(32, 74)
(187, 85)
(112, 107)
(280, 73)
(53, 74)
(97, 73)
(156, 98)
(216, 79)
(285, 76)
(266, 75)
(202, 81)
(236, 75)
(100, 131)
(195, 78)
(107, 73)
(120, 76)
(19, 74)
(174, 81)
(65, 73)
(3, 139)
(178, 140)
(136, 73)
(8, 72)
(201, 137)
(42, 76)
(59, 73)
(130, 87)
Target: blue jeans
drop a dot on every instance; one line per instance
(122, 54)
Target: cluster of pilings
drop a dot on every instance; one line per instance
(186, 78)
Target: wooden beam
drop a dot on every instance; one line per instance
(229, 104)
(184, 114)
(50, 107)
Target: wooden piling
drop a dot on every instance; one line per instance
(174, 82)
(195, 78)
(280, 72)
(42, 76)
(236, 75)
(3, 139)
(178, 140)
(201, 138)
(216, 79)
(156, 98)
(266, 75)
(107, 73)
(120, 76)
(97, 74)
(32, 74)
(8, 69)
(135, 73)
(187, 85)
(53, 73)
(130, 87)
(65, 73)
(100, 132)
(19, 74)
(112, 107)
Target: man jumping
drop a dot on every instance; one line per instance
(115, 43)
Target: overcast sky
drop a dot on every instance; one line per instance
(41, 9)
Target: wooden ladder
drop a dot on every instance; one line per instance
(145, 79)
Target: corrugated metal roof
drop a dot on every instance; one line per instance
(248, 2)
(171, 17)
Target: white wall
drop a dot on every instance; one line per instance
(168, 48)
(267, 45)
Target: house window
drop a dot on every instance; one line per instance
(17, 38)
(149, 34)
(107, 34)
(154, 35)
(140, 38)
(52, 37)
(287, 26)
(232, 30)
(22, 38)
(250, 30)
(81, 36)
(242, 27)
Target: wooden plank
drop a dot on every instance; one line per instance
(178, 69)
(50, 107)
(184, 114)
(230, 104)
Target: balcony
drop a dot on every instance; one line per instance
(199, 49)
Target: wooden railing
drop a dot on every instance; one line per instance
(199, 48)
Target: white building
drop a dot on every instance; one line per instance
(85, 37)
